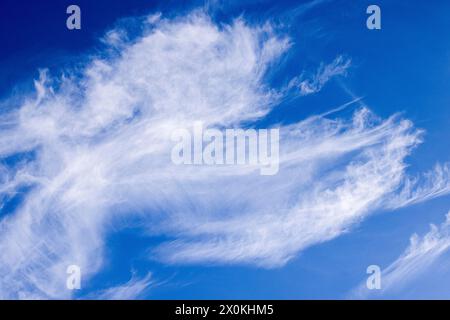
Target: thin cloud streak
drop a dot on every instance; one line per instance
(420, 255)
(131, 290)
(315, 83)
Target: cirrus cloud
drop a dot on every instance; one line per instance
(96, 146)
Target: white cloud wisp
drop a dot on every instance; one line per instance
(421, 254)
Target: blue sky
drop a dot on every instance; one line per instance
(84, 168)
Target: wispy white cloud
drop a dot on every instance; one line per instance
(133, 289)
(430, 185)
(99, 147)
(421, 254)
(311, 200)
(314, 83)
(100, 144)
